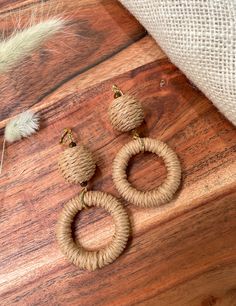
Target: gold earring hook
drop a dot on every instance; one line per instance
(117, 92)
(68, 135)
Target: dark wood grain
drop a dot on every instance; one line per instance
(84, 43)
(34, 192)
(181, 254)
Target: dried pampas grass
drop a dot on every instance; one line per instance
(22, 43)
(23, 125)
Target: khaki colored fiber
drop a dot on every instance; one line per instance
(91, 260)
(126, 113)
(152, 198)
(77, 164)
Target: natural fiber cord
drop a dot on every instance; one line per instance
(91, 260)
(77, 164)
(163, 193)
(126, 113)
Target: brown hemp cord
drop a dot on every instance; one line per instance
(91, 260)
(163, 193)
(77, 164)
(126, 113)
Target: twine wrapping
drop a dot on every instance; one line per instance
(91, 260)
(126, 113)
(77, 164)
(152, 198)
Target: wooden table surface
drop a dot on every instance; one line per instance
(181, 254)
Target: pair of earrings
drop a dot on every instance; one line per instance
(78, 166)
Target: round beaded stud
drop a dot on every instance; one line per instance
(126, 114)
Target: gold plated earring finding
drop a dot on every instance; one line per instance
(126, 114)
(78, 166)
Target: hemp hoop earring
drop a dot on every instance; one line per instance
(126, 114)
(77, 166)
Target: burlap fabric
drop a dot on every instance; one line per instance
(199, 36)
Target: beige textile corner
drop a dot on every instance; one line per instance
(199, 36)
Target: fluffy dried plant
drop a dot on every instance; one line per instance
(23, 42)
(23, 125)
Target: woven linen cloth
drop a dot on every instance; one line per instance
(199, 37)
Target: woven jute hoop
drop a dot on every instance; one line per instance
(152, 198)
(82, 258)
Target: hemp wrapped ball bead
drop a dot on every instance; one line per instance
(77, 164)
(126, 113)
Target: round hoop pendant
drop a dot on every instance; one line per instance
(152, 198)
(82, 258)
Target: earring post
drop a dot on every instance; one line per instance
(67, 134)
(117, 92)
